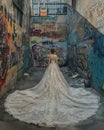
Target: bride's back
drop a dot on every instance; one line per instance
(53, 57)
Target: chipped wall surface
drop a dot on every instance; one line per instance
(93, 11)
(86, 39)
(12, 45)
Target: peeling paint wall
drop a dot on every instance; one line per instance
(12, 49)
(86, 39)
(93, 11)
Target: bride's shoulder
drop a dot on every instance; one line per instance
(52, 55)
(55, 55)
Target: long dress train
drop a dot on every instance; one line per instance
(52, 102)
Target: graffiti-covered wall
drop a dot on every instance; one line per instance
(46, 33)
(12, 51)
(86, 40)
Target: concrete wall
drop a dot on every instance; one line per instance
(86, 39)
(93, 10)
(13, 42)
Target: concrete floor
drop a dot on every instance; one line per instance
(7, 122)
(23, 126)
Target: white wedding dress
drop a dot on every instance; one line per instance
(52, 102)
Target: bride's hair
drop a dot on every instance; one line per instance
(52, 51)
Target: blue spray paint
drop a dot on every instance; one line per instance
(98, 45)
(96, 65)
(95, 56)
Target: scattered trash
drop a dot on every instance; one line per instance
(26, 74)
(87, 83)
(75, 76)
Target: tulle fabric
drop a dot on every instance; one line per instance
(52, 102)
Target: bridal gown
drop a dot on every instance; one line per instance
(52, 102)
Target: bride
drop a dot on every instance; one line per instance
(52, 102)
